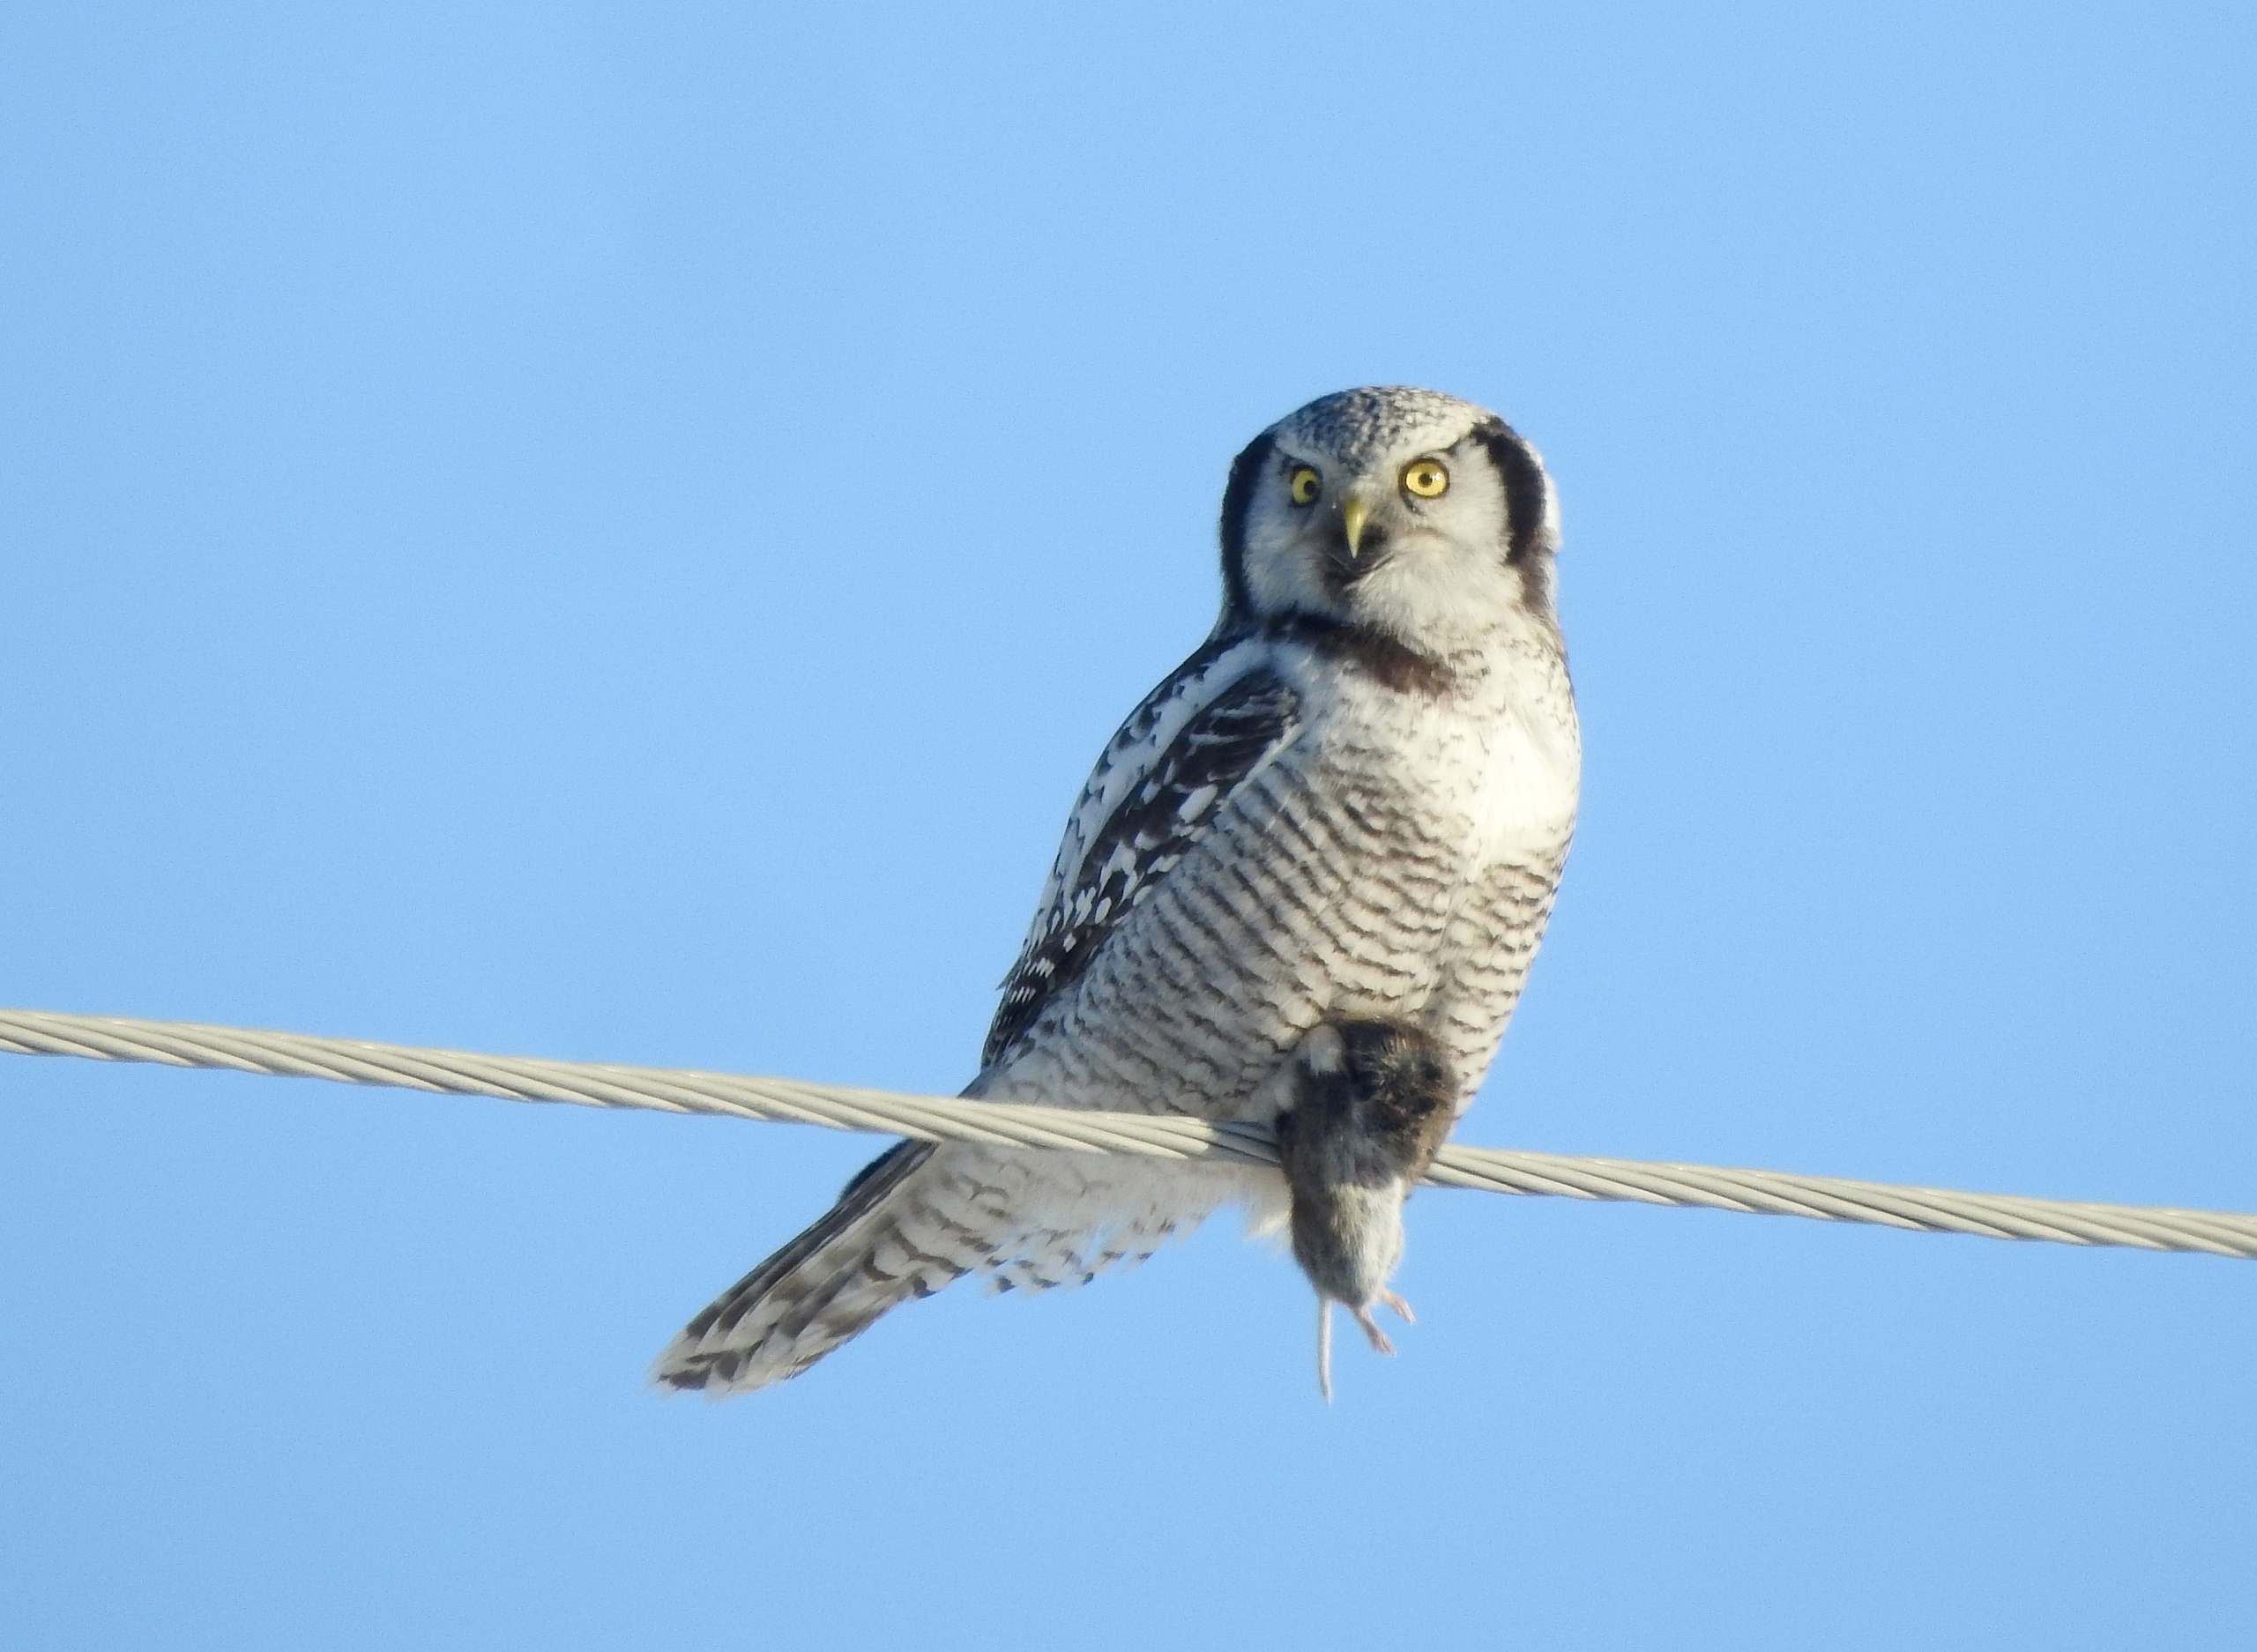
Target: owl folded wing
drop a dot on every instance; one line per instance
(925, 1214)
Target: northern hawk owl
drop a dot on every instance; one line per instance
(1320, 854)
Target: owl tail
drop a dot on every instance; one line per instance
(920, 1217)
(885, 1242)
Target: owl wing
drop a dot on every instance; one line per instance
(925, 1214)
(1214, 725)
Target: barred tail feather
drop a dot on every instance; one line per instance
(825, 1287)
(921, 1217)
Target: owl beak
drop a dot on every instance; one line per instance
(1353, 514)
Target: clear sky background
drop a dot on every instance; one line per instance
(615, 533)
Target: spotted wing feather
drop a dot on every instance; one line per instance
(1161, 812)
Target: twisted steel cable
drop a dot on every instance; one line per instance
(999, 1124)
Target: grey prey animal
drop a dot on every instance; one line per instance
(1371, 1101)
(1351, 803)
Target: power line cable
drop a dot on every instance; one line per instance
(1001, 1124)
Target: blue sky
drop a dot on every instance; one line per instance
(615, 533)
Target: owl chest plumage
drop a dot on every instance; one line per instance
(1397, 856)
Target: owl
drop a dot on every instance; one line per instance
(1347, 811)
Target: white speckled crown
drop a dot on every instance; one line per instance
(1355, 423)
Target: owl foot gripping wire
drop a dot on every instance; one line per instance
(1372, 1102)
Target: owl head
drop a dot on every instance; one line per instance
(1415, 513)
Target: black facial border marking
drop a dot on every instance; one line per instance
(1529, 541)
(1528, 492)
(1238, 503)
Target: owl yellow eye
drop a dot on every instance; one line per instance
(1305, 485)
(1426, 478)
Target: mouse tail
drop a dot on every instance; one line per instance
(1324, 1347)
